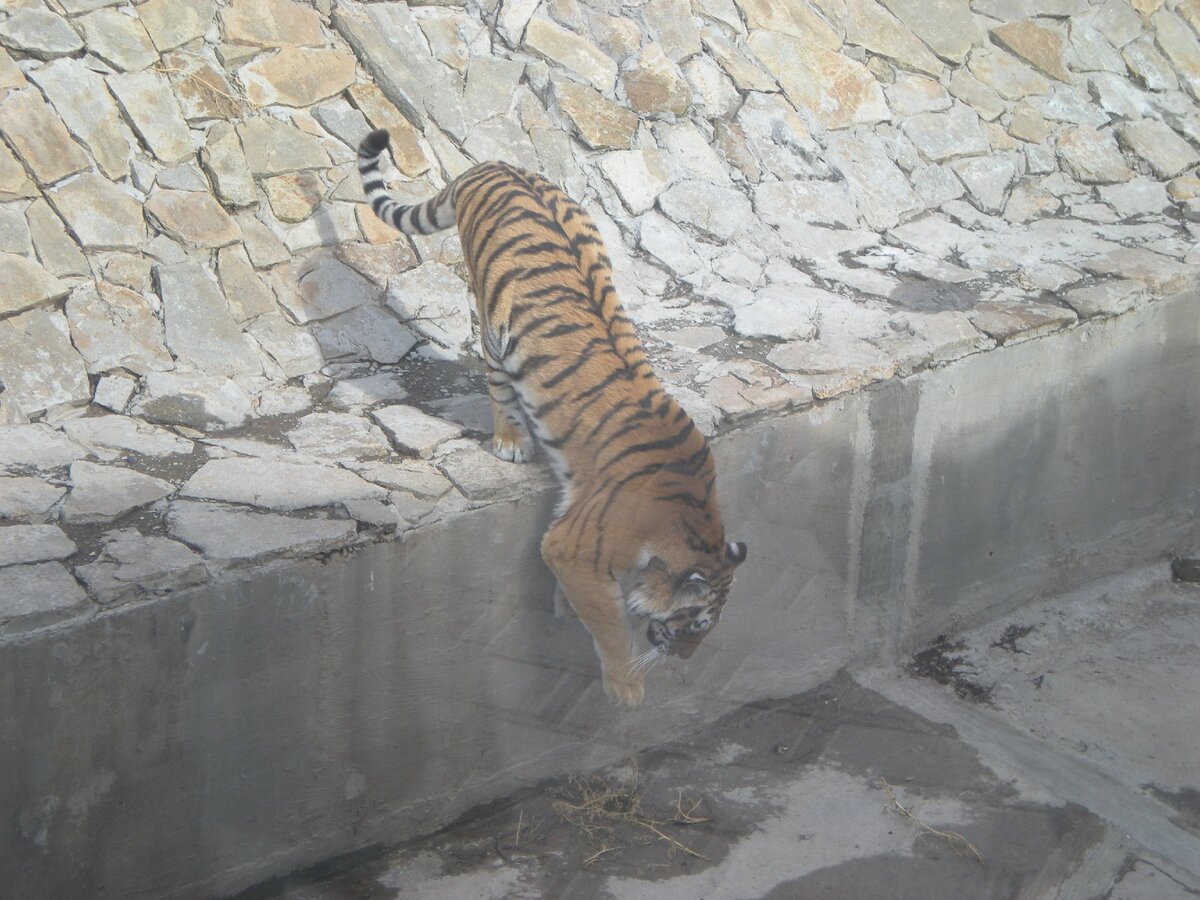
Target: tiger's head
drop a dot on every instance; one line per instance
(681, 606)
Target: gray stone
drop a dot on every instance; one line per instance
(911, 95)
(355, 393)
(343, 121)
(192, 217)
(978, 96)
(36, 447)
(948, 28)
(1118, 96)
(339, 436)
(38, 365)
(1118, 22)
(921, 339)
(246, 293)
(54, 247)
(1039, 46)
(1092, 156)
(501, 138)
(39, 33)
(668, 243)
(834, 89)
(226, 164)
(105, 493)
(719, 212)
(273, 147)
(1029, 201)
(1091, 50)
(118, 39)
(1159, 145)
(557, 45)
(237, 535)
(294, 350)
(33, 543)
(264, 249)
(472, 411)
(1006, 75)
(943, 136)
(934, 235)
(822, 202)
(1138, 264)
(1150, 68)
(987, 180)
(115, 328)
(25, 498)
(326, 288)
(173, 23)
(80, 96)
(844, 365)
(199, 326)
(132, 565)
(798, 20)
(365, 332)
(746, 73)
(689, 153)
(100, 214)
(391, 46)
(413, 431)
(790, 312)
(1007, 321)
(15, 183)
(450, 33)
(113, 391)
(198, 401)
(37, 595)
(412, 476)
(485, 479)
(777, 137)
(1109, 298)
(104, 434)
(880, 190)
(1179, 43)
(712, 89)
(936, 185)
(1067, 103)
(330, 223)
(39, 138)
(638, 175)
(26, 284)
(869, 25)
(670, 21)
(277, 484)
(150, 106)
(1139, 197)
(433, 301)
(185, 177)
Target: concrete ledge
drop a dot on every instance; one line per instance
(200, 742)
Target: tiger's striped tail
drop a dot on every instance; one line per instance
(419, 218)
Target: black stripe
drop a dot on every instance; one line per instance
(584, 354)
(372, 185)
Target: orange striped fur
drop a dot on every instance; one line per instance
(637, 544)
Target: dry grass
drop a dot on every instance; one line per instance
(952, 839)
(609, 814)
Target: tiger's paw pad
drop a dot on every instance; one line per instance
(627, 692)
(518, 451)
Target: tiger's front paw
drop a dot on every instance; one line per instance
(625, 691)
(518, 450)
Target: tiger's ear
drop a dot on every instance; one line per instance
(736, 553)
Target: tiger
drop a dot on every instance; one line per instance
(636, 542)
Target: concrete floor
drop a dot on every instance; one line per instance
(1074, 774)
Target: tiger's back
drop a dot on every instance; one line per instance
(638, 533)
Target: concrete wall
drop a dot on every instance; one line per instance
(200, 743)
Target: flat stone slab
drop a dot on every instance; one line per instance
(413, 431)
(101, 215)
(105, 493)
(33, 543)
(26, 284)
(26, 499)
(338, 436)
(35, 595)
(238, 535)
(205, 402)
(124, 433)
(131, 564)
(277, 484)
(39, 365)
(483, 478)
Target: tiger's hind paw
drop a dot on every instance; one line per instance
(518, 450)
